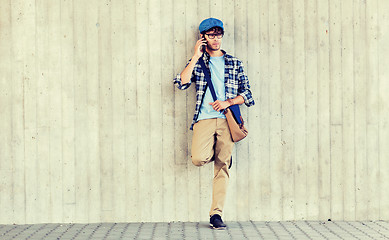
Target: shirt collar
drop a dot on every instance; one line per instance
(206, 56)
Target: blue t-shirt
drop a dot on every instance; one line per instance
(216, 65)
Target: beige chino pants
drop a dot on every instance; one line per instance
(212, 137)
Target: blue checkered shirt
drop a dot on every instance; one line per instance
(236, 82)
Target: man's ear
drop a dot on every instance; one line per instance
(201, 35)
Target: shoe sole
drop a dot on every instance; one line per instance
(219, 228)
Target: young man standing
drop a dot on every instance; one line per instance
(211, 136)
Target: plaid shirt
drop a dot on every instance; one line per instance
(236, 82)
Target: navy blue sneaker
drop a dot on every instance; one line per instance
(216, 222)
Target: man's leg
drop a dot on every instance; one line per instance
(203, 141)
(223, 151)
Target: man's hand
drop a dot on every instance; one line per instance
(219, 105)
(198, 47)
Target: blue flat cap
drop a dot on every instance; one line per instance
(209, 23)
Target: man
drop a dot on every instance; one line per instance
(211, 136)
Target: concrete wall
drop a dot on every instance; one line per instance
(92, 129)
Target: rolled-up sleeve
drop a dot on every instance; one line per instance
(178, 83)
(244, 87)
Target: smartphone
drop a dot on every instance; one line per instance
(204, 47)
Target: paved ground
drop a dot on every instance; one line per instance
(178, 230)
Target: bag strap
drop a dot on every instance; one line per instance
(208, 78)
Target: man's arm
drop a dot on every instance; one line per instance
(220, 105)
(186, 74)
(183, 79)
(244, 87)
(244, 93)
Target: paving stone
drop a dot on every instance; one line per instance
(236, 230)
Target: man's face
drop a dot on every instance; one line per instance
(214, 39)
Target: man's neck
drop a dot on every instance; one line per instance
(217, 53)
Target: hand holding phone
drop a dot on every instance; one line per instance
(200, 47)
